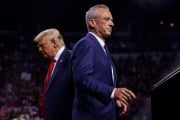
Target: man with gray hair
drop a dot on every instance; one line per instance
(57, 93)
(94, 74)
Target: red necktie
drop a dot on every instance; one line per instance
(43, 93)
(48, 76)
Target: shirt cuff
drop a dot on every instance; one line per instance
(112, 94)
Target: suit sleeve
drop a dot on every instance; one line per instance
(83, 69)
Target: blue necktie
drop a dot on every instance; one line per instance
(110, 61)
(108, 54)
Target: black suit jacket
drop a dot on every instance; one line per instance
(59, 96)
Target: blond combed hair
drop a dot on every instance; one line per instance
(51, 34)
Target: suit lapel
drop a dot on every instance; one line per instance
(58, 66)
(98, 45)
(104, 55)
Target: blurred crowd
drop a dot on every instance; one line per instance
(22, 71)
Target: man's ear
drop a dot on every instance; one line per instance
(92, 23)
(53, 41)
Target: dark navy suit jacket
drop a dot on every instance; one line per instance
(59, 97)
(93, 81)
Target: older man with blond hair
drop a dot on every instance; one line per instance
(57, 92)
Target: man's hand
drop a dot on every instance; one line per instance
(123, 96)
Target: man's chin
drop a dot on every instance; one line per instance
(45, 56)
(108, 34)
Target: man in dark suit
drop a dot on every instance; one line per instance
(57, 93)
(94, 74)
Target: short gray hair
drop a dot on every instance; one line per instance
(92, 12)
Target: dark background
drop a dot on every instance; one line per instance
(137, 22)
(68, 15)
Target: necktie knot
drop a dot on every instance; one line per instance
(51, 67)
(105, 47)
(106, 50)
(52, 62)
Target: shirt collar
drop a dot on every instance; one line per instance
(101, 42)
(58, 54)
